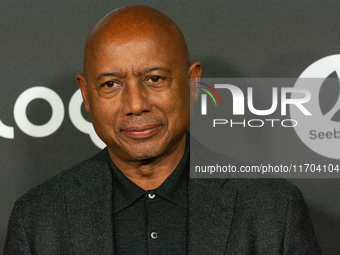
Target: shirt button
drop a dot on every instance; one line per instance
(151, 196)
(154, 235)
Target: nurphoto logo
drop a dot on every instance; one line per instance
(280, 99)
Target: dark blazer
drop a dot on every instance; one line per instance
(72, 214)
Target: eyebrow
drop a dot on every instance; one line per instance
(107, 74)
(147, 70)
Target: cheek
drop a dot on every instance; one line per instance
(167, 102)
(104, 113)
(176, 108)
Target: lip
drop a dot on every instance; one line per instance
(139, 132)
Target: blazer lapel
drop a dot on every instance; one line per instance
(211, 210)
(211, 206)
(89, 207)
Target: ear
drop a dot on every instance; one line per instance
(195, 72)
(83, 88)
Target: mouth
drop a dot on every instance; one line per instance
(141, 132)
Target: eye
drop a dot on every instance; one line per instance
(154, 79)
(109, 84)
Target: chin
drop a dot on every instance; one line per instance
(146, 153)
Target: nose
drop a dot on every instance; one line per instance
(136, 100)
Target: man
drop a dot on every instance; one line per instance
(136, 197)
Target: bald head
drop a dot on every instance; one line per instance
(137, 85)
(136, 23)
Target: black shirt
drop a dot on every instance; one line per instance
(153, 221)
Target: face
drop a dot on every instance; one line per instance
(138, 96)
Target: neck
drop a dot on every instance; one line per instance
(150, 175)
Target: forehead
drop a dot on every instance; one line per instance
(123, 51)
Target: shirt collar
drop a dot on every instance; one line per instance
(174, 188)
(124, 190)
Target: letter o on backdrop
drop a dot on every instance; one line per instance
(23, 122)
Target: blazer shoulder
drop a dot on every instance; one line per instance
(266, 193)
(249, 187)
(65, 181)
(202, 155)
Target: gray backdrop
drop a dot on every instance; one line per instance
(41, 44)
